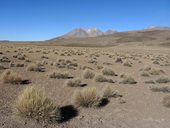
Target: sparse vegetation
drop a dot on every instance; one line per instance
(81, 79)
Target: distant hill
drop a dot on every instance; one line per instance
(157, 28)
(149, 36)
(4, 41)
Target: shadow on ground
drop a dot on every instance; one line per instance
(68, 112)
(104, 102)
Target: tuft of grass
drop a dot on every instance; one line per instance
(9, 76)
(109, 91)
(101, 78)
(147, 68)
(129, 80)
(99, 67)
(144, 74)
(34, 67)
(160, 89)
(108, 72)
(119, 60)
(155, 71)
(123, 75)
(87, 97)
(149, 82)
(88, 74)
(2, 67)
(32, 103)
(74, 83)
(59, 75)
(166, 101)
(162, 80)
(127, 63)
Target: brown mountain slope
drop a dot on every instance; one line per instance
(143, 37)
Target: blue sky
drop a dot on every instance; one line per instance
(45, 19)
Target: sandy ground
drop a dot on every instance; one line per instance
(143, 108)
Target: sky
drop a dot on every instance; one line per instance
(34, 20)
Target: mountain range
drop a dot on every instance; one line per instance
(82, 33)
(155, 35)
(95, 32)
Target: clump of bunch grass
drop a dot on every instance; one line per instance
(108, 72)
(164, 89)
(110, 91)
(32, 103)
(74, 82)
(127, 63)
(166, 101)
(34, 67)
(88, 74)
(2, 67)
(144, 74)
(101, 78)
(129, 80)
(162, 80)
(154, 71)
(9, 76)
(87, 97)
(59, 75)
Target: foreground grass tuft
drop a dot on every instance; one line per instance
(33, 104)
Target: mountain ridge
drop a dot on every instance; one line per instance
(82, 33)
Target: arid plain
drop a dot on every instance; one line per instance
(120, 86)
